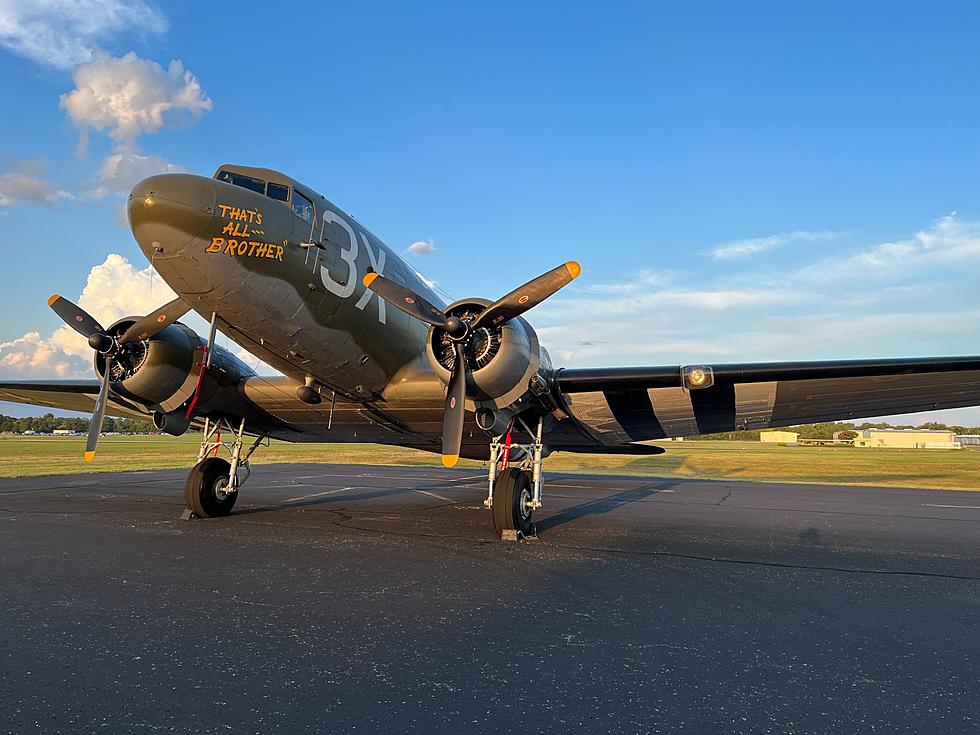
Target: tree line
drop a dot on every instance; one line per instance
(47, 423)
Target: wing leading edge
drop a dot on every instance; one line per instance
(635, 404)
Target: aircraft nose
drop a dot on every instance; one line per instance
(168, 211)
(167, 214)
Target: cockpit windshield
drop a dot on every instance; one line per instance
(279, 192)
(246, 182)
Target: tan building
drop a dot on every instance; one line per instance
(907, 439)
(774, 436)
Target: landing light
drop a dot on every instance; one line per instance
(148, 202)
(698, 376)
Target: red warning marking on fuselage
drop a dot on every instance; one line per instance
(452, 402)
(523, 299)
(162, 318)
(409, 300)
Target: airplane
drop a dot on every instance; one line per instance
(369, 352)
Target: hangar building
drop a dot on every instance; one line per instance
(778, 437)
(907, 439)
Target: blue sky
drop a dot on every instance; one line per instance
(740, 182)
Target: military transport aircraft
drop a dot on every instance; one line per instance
(370, 353)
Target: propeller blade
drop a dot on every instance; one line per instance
(452, 422)
(401, 298)
(98, 417)
(527, 296)
(156, 322)
(75, 316)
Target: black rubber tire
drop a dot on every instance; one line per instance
(199, 492)
(511, 496)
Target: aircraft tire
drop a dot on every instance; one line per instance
(511, 498)
(203, 494)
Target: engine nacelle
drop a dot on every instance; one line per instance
(162, 374)
(501, 360)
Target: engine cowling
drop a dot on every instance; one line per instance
(162, 374)
(501, 361)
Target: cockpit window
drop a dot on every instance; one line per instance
(278, 192)
(246, 182)
(302, 207)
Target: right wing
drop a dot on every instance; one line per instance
(636, 404)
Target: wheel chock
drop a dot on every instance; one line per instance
(511, 534)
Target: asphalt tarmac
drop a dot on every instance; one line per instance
(376, 599)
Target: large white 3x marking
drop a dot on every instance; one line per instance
(379, 265)
(349, 256)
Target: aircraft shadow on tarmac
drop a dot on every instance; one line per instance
(347, 497)
(601, 506)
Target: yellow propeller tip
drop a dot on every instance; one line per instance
(573, 268)
(450, 460)
(89, 456)
(369, 279)
(54, 297)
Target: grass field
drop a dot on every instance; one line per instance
(941, 469)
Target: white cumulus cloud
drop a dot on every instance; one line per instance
(128, 96)
(421, 248)
(114, 289)
(65, 33)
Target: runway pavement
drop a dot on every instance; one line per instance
(367, 599)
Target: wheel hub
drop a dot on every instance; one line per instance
(221, 489)
(525, 504)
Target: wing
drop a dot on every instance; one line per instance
(70, 395)
(634, 404)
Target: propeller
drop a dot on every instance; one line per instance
(100, 341)
(502, 310)
(156, 322)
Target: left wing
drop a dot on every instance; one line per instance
(70, 395)
(635, 404)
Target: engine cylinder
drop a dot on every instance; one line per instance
(500, 359)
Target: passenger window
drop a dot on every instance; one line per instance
(278, 192)
(246, 182)
(302, 207)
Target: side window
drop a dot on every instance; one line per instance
(302, 207)
(278, 192)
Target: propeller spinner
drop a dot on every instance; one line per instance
(460, 331)
(111, 347)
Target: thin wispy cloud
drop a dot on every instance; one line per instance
(65, 33)
(755, 245)
(949, 241)
(916, 293)
(23, 181)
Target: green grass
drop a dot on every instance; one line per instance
(714, 460)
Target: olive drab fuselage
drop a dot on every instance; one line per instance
(286, 273)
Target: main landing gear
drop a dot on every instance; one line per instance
(514, 492)
(212, 485)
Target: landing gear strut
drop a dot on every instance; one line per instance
(212, 485)
(515, 492)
